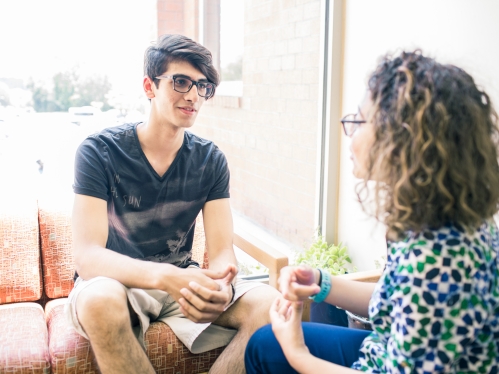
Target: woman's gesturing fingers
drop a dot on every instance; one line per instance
(297, 283)
(286, 324)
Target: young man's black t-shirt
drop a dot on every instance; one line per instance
(151, 217)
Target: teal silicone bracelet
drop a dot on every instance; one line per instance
(325, 287)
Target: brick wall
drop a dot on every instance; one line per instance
(270, 135)
(182, 17)
(170, 17)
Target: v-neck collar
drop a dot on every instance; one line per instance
(144, 157)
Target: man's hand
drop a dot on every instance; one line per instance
(297, 283)
(173, 280)
(204, 304)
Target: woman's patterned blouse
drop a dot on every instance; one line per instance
(435, 309)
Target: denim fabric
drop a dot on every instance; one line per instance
(335, 344)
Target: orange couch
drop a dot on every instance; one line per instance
(36, 275)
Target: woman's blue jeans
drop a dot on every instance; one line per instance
(336, 344)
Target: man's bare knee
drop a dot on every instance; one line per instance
(102, 304)
(258, 301)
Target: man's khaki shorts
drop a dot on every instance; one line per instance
(156, 305)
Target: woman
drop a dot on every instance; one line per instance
(427, 137)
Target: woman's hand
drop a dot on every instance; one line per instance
(297, 283)
(286, 325)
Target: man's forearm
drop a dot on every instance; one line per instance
(98, 261)
(219, 260)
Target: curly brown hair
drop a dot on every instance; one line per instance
(435, 152)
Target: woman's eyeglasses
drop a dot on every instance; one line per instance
(351, 123)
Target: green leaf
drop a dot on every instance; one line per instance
(322, 255)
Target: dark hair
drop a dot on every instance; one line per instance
(172, 47)
(435, 153)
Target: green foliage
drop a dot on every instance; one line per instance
(64, 89)
(333, 258)
(69, 90)
(380, 263)
(233, 71)
(93, 89)
(4, 94)
(40, 97)
(251, 269)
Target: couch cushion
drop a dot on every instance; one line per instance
(24, 342)
(56, 245)
(20, 274)
(70, 351)
(169, 355)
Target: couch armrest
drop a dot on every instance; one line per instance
(262, 252)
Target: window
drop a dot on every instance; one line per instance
(231, 47)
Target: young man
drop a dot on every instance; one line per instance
(138, 190)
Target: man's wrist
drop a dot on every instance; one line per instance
(162, 274)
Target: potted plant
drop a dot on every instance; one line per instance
(333, 259)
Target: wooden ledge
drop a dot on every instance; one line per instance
(371, 276)
(262, 252)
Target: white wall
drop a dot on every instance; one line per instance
(461, 32)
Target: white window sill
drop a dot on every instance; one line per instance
(225, 101)
(228, 95)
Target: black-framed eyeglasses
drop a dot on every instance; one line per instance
(351, 123)
(183, 85)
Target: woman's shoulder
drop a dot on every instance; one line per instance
(450, 246)
(452, 238)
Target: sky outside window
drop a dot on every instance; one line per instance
(41, 38)
(231, 47)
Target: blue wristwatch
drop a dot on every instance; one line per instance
(325, 287)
